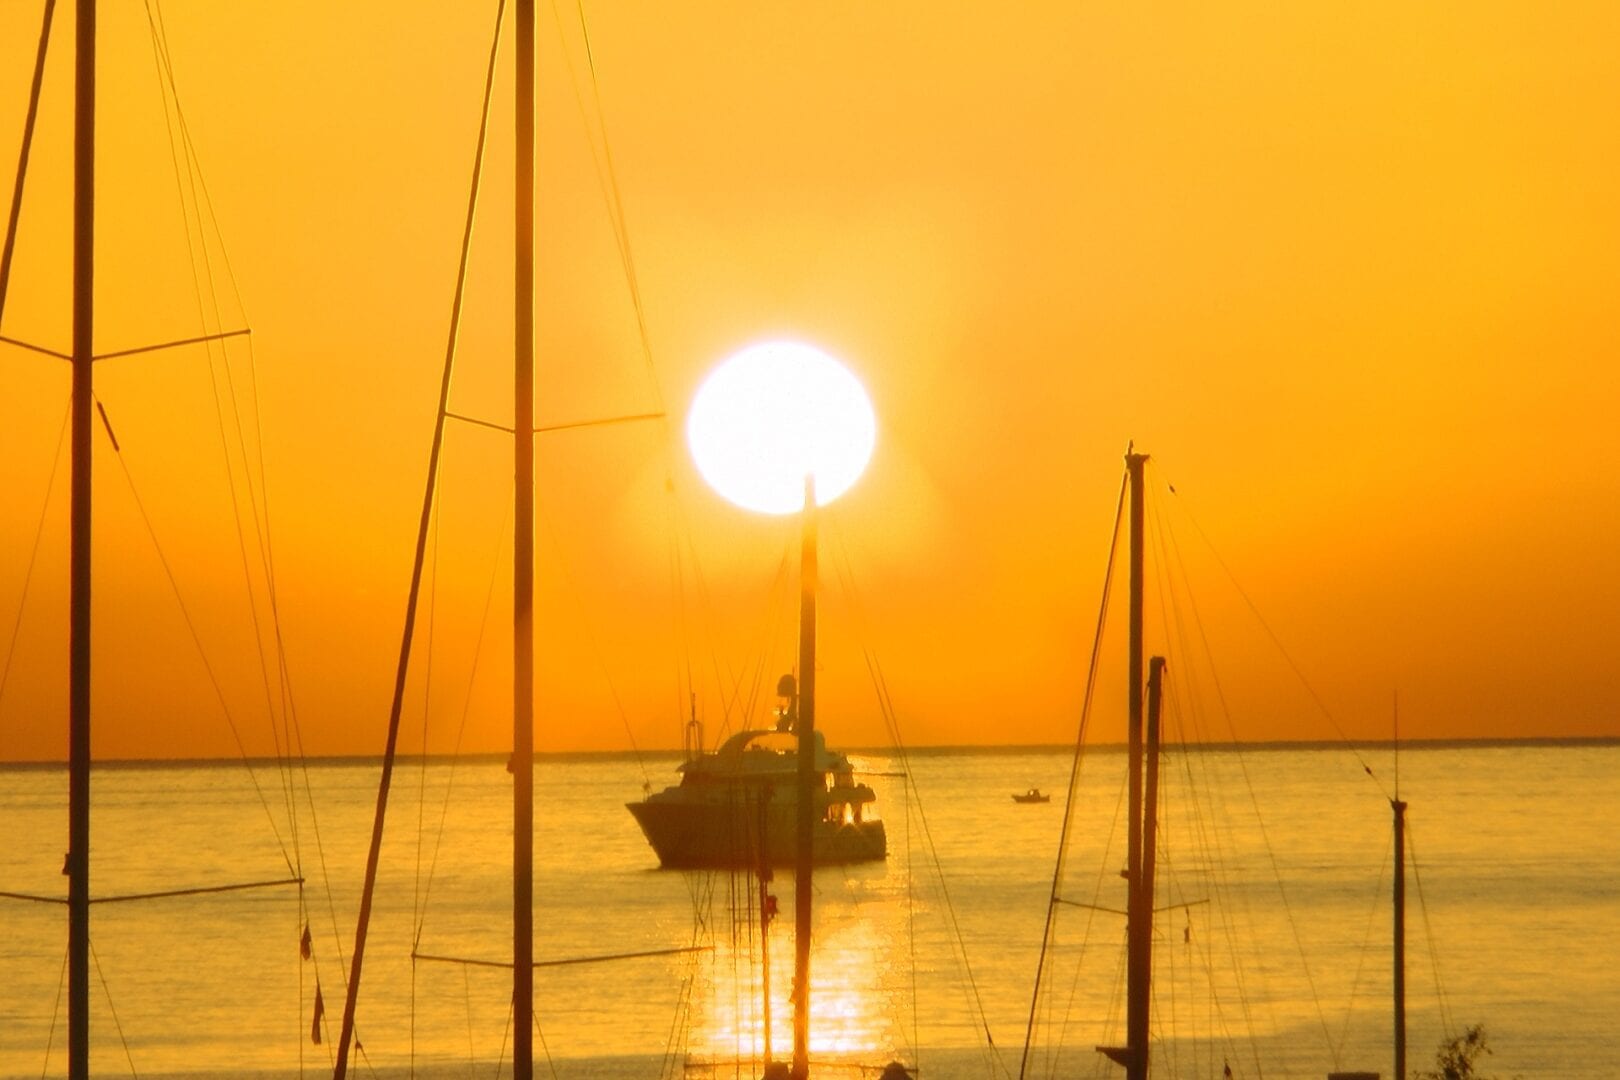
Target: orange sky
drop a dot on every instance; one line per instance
(1348, 275)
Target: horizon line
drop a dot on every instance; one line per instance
(942, 749)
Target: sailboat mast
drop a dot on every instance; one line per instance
(1399, 809)
(84, 186)
(1141, 908)
(1139, 928)
(802, 860)
(523, 568)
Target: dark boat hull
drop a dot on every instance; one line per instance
(725, 834)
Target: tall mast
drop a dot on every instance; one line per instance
(1140, 916)
(1399, 808)
(523, 568)
(802, 859)
(84, 175)
(1139, 928)
(1143, 812)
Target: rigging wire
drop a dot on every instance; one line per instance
(911, 928)
(433, 473)
(578, 596)
(193, 212)
(33, 556)
(544, 1048)
(461, 730)
(1226, 916)
(845, 571)
(1373, 908)
(206, 296)
(1074, 774)
(1092, 909)
(422, 889)
(202, 655)
(205, 202)
(288, 740)
(1447, 1019)
(422, 770)
(1166, 869)
(594, 119)
(1173, 620)
(1277, 642)
(974, 995)
(506, 1035)
(207, 305)
(608, 175)
(56, 1014)
(595, 124)
(1242, 758)
(700, 889)
(680, 1024)
(112, 1009)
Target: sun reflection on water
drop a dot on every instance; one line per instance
(857, 961)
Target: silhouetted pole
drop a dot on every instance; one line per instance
(803, 855)
(1139, 923)
(764, 871)
(523, 569)
(84, 250)
(1400, 937)
(1141, 915)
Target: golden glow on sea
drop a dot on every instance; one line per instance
(1348, 272)
(857, 963)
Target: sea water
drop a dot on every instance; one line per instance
(1273, 938)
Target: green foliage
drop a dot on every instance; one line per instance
(1455, 1059)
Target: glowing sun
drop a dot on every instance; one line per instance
(772, 415)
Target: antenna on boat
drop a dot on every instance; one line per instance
(692, 735)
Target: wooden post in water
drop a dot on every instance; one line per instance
(803, 859)
(1139, 922)
(523, 567)
(84, 250)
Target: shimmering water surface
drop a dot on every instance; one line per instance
(1272, 956)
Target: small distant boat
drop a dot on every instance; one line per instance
(1034, 794)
